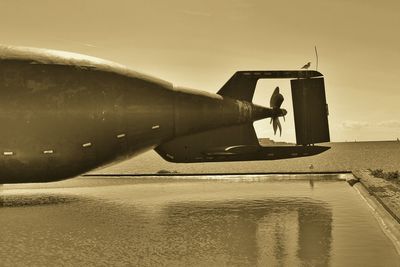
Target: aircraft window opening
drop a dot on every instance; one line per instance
(155, 127)
(51, 151)
(8, 153)
(271, 154)
(121, 135)
(87, 145)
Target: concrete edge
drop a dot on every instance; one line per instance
(212, 173)
(387, 222)
(339, 176)
(358, 177)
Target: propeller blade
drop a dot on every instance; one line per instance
(279, 126)
(276, 99)
(275, 103)
(275, 125)
(271, 101)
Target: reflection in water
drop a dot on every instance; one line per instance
(242, 232)
(35, 200)
(311, 183)
(208, 223)
(254, 232)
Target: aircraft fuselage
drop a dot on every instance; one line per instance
(62, 115)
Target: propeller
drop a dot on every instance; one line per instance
(275, 103)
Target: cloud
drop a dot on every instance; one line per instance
(355, 124)
(390, 124)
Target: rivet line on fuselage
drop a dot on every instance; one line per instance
(87, 144)
(121, 135)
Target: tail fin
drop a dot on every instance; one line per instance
(239, 86)
(242, 84)
(310, 111)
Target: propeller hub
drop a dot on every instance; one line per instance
(275, 103)
(279, 112)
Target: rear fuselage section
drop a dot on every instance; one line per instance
(61, 115)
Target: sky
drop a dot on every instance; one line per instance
(200, 44)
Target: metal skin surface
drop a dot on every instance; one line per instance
(63, 114)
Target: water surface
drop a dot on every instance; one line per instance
(182, 222)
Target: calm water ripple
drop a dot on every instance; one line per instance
(201, 223)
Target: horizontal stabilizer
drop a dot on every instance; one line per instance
(242, 84)
(197, 147)
(234, 143)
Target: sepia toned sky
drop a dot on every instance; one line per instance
(200, 44)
